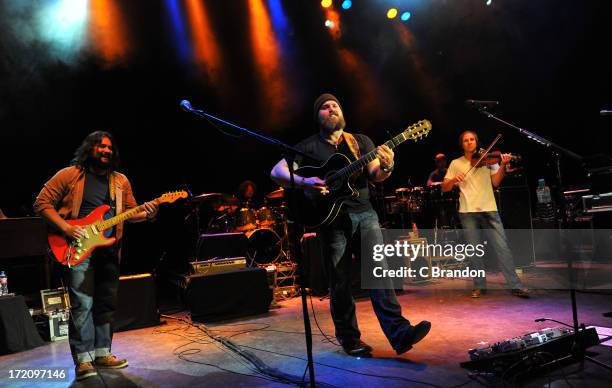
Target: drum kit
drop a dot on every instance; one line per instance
(265, 227)
(428, 206)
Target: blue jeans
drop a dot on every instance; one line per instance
(92, 286)
(493, 230)
(335, 240)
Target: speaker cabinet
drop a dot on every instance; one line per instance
(315, 271)
(221, 245)
(227, 295)
(136, 303)
(514, 206)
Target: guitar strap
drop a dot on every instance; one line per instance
(111, 190)
(352, 145)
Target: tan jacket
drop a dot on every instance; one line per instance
(64, 193)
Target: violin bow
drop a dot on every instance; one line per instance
(485, 153)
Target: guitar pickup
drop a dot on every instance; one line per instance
(94, 230)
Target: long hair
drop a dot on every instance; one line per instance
(81, 155)
(242, 188)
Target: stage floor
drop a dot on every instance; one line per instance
(179, 355)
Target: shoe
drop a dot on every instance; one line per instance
(357, 348)
(418, 333)
(84, 370)
(110, 362)
(521, 292)
(477, 293)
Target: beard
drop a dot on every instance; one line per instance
(333, 123)
(97, 161)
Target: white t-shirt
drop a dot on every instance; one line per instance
(476, 191)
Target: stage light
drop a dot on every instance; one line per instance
(405, 16)
(392, 13)
(326, 3)
(64, 25)
(489, 2)
(346, 4)
(329, 23)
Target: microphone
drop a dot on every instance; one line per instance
(480, 104)
(605, 112)
(186, 106)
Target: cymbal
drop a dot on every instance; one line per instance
(280, 193)
(207, 197)
(218, 201)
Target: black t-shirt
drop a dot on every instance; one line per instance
(437, 176)
(96, 193)
(320, 150)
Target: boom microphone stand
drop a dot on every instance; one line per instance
(289, 153)
(578, 348)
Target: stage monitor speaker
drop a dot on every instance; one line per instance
(221, 245)
(514, 206)
(227, 295)
(136, 303)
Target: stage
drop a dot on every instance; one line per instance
(177, 354)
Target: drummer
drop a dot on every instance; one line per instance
(246, 193)
(437, 176)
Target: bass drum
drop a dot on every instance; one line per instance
(264, 246)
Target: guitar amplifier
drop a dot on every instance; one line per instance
(208, 267)
(597, 203)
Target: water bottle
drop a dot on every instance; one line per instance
(543, 192)
(545, 208)
(3, 284)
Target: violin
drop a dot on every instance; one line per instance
(482, 158)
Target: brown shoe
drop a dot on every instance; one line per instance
(110, 362)
(85, 370)
(477, 293)
(521, 292)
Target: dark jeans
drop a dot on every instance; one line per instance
(493, 232)
(335, 240)
(92, 286)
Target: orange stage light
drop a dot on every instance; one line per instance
(108, 31)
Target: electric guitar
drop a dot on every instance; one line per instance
(72, 252)
(317, 210)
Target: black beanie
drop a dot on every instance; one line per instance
(320, 101)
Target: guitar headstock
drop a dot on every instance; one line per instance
(418, 130)
(172, 196)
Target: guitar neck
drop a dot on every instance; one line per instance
(107, 224)
(367, 158)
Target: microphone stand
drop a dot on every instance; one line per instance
(578, 349)
(289, 153)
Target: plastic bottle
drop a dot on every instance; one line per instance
(545, 208)
(3, 283)
(543, 192)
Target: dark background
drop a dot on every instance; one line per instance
(547, 61)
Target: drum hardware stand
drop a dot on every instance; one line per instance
(556, 151)
(289, 154)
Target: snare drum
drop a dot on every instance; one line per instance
(245, 219)
(266, 216)
(264, 246)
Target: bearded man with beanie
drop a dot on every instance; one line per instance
(357, 220)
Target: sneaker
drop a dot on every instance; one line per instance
(521, 292)
(357, 348)
(84, 370)
(418, 333)
(110, 362)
